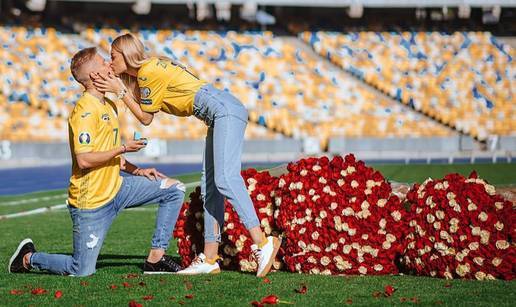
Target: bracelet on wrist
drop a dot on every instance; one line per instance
(121, 94)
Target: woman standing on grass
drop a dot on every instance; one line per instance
(153, 84)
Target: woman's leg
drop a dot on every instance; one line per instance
(213, 202)
(228, 138)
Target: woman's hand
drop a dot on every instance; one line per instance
(107, 83)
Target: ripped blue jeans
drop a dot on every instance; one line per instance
(91, 226)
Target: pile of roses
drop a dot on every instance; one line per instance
(235, 248)
(339, 216)
(460, 228)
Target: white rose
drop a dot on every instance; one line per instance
(315, 235)
(340, 182)
(354, 184)
(303, 172)
(260, 197)
(499, 226)
(484, 237)
(474, 246)
(382, 223)
(478, 260)
(386, 245)
(322, 180)
(502, 244)
(281, 183)
(439, 214)
(462, 269)
(316, 168)
(437, 225)
(496, 261)
(333, 206)
(480, 275)
(430, 218)
(482, 216)
(381, 202)
(311, 192)
(362, 270)
(346, 249)
(323, 214)
(396, 215)
(348, 211)
(325, 261)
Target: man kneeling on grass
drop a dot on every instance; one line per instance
(97, 193)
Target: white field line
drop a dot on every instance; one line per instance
(31, 200)
(55, 208)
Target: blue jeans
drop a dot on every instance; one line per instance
(226, 118)
(90, 226)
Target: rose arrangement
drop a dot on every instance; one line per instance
(460, 228)
(338, 217)
(235, 248)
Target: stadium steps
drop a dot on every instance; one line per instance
(302, 45)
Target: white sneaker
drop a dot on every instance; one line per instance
(200, 265)
(266, 255)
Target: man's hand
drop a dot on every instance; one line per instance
(134, 145)
(150, 173)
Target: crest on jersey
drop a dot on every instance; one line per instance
(144, 92)
(105, 117)
(86, 114)
(84, 138)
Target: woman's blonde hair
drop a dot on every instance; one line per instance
(134, 55)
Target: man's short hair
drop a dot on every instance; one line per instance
(79, 59)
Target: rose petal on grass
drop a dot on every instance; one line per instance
(377, 294)
(113, 286)
(189, 296)
(142, 284)
(266, 280)
(16, 292)
(389, 290)
(126, 284)
(302, 290)
(188, 285)
(58, 294)
(133, 303)
(84, 283)
(349, 301)
(148, 297)
(256, 304)
(132, 275)
(271, 300)
(447, 285)
(38, 291)
(414, 300)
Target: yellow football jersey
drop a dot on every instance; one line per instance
(167, 86)
(93, 127)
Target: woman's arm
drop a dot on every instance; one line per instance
(110, 83)
(144, 117)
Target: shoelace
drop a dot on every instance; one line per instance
(196, 261)
(258, 255)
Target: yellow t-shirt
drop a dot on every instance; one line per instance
(93, 127)
(167, 86)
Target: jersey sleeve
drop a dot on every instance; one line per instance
(153, 81)
(83, 129)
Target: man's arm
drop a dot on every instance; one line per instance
(132, 169)
(95, 159)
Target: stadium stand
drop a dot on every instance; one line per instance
(464, 80)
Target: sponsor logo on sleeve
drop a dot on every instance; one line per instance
(105, 117)
(85, 114)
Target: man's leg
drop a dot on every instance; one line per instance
(89, 230)
(137, 191)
